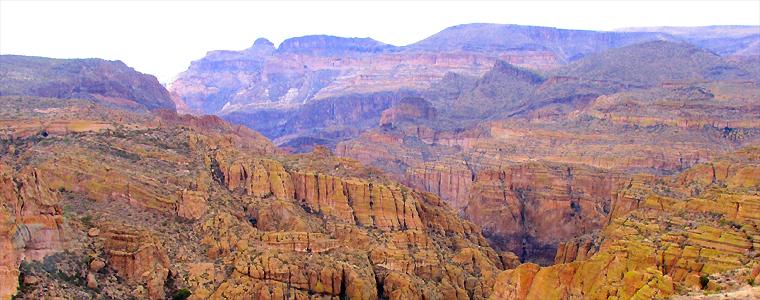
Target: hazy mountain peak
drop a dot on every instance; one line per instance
(262, 42)
(703, 32)
(724, 40)
(327, 44)
(654, 62)
(262, 46)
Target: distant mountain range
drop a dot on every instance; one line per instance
(264, 85)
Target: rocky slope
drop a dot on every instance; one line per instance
(666, 235)
(565, 169)
(110, 83)
(108, 203)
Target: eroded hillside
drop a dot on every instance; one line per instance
(106, 203)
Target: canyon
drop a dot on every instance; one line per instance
(484, 162)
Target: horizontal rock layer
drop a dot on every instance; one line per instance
(680, 228)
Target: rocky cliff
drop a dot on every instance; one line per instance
(31, 222)
(158, 203)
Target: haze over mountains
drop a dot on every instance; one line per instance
(487, 161)
(254, 86)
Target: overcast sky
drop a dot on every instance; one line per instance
(163, 37)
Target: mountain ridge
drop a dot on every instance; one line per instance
(106, 81)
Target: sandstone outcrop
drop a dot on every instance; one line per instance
(352, 201)
(274, 275)
(407, 110)
(393, 228)
(31, 223)
(528, 208)
(576, 250)
(139, 258)
(192, 204)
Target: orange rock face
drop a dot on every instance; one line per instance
(528, 208)
(31, 223)
(192, 204)
(138, 257)
(395, 229)
(352, 201)
(576, 250)
(408, 109)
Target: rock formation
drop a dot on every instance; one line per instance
(681, 228)
(31, 222)
(162, 202)
(137, 257)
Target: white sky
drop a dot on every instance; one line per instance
(162, 37)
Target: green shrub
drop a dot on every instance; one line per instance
(87, 220)
(703, 281)
(181, 294)
(751, 281)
